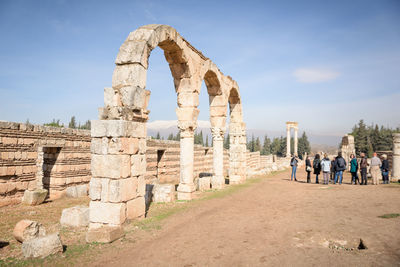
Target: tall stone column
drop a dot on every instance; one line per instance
(287, 141)
(186, 184)
(218, 180)
(237, 153)
(295, 141)
(396, 157)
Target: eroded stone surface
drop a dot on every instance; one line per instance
(75, 217)
(27, 229)
(42, 246)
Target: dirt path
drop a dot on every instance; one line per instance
(275, 222)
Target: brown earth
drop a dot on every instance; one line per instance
(269, 221)
(274, 222)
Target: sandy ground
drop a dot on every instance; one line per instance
(275, 222)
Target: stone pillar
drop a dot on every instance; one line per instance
(396, 157)
(218, 180)
(287, 141)
(117, 186)
(295, 140)
(186, 185)
(237, 153)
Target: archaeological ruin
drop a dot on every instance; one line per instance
(291, 125)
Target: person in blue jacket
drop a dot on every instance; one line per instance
(354, 169)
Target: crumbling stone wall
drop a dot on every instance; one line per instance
(33, 156)
(162, 157)
(347, 148)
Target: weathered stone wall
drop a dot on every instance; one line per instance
(163, 163)
(33, 156)
(347, 148)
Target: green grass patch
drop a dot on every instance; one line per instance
(389, 216)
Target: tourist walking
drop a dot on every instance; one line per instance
(354, 169)
(385, 169)
(293, 163)
(308, 169)
(317, 167)
(375, 169)
(340, 165)
(363, 169)
(326, 168)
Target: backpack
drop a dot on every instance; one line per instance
(316, 164)
(341, 163)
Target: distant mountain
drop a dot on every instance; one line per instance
(165, 128)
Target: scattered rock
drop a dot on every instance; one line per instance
(104, 234)
(42, 246)
(34, 197)
(75, 217)
(164, 193)
(362, 245)
(25, 230)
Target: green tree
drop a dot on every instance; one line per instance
(85, 126)
(72, 123)
(303, 145)
(158, 136)
(206, 140)
(275, 146)
(266, 148)
(54, 123)
(227, 141)
(257, 144)
(170, 137)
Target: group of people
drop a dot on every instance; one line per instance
(333, 169)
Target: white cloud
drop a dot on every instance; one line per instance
(306, 75)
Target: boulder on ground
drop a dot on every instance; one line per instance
(75, 217)
(34, 197)
(42, 246)
(163, 193)
(26, 230)
(104, 234)
(203, 183)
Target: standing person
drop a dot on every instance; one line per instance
(353, 169)
(375, 166)
(326, 168)
(317, 167)
(385, 169)
(308, 169)
(293, 163)
(333, 169)
(363, 169)
(340, 164)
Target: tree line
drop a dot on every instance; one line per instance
(72, 124)
(368, 139)
(277, 146)
(198, 138)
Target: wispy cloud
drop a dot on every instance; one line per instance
(309, 75)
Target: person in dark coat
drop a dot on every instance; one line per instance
(317, 167)
(363, 169)
(333, 169)
(308, 169)
(385, 169)
(340, 164)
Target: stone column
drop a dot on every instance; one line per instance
(237, 153)
(295, 140)
(117, 186)
(287, 141)
(186, 185)
(218, 180)
(396, 157)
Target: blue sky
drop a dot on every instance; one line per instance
(325, 64)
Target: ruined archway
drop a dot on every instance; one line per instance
(119, 138)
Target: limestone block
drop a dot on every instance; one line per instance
(187, 114)
(141, 187)
(104, 234)
(42, 246)
(204, 183)
(134, 97)
(186, 99)
(217, 100)
(111, 166)
(136, 208)
(133, 52)
(218, 111)
(117, 128)
(34, 197)
(129, 75)
(138, 165)
(76, 191)
(95, 188)
(27, 229)
(112, 213)
(163, 193)
(75, 217)
(122, 190)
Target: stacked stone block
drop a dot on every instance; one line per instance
(27, 161)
